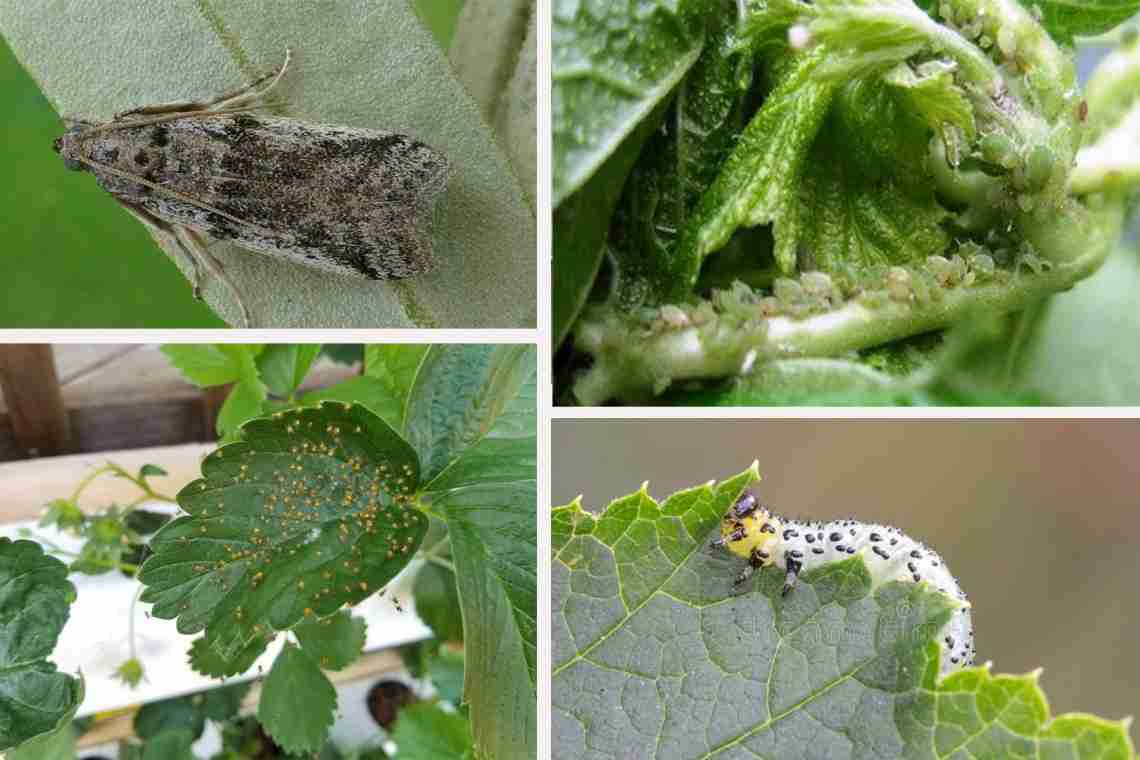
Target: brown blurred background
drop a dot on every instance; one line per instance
(1039, 519)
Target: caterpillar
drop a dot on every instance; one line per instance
(751, 531)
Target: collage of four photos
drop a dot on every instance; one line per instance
(570, 379)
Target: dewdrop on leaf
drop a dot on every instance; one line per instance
(750, 531)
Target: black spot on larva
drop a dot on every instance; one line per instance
(160, 136)
(835, 537)
(816, 550)
(141, 158)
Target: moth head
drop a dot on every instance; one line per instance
(747, 526)
(68, 148)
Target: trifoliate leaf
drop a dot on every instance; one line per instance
(334, 642)
(307, 513)
(35, 601)
(298, 704)
(63, 514)
(425, 732)
(656, 655)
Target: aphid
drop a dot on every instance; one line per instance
(344, 200)
(750, 531)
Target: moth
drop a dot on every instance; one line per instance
(344, 200)
(750, 531)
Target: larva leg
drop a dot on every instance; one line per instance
(756, 561)
(793, 573)
(230, 99)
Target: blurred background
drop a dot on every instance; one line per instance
(1038, 519)
(71, 257)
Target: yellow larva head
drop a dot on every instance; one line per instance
(750, 531)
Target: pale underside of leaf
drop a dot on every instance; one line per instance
(365, 64)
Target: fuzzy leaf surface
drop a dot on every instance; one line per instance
(298, 703)
(612, 64)
(655, 655)
(305, 514)
(365, 64)
(35, 601)
(474, 409)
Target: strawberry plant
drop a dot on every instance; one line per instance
(849, 201)
(313, 503)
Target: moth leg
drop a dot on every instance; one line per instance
(199, 249)
(162, 229)
(793, 573)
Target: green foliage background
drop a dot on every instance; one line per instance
(71, 257)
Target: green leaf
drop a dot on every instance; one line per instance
(208, 365)
(759, 182)
(655, 654)
(334, 642)
(58, 745)
(63, 514)
(298, 704)
(130, 672)
(246, 399)
(174, 744)
(144, 521)
(460, 393)
(177, 714)
(35, 600)
(222, 703)
(150, 470)
(395, 366)
(486, 269)
(1084, 351)
(473, 408)
(446, 670)
(283, 366)
(425, 732)
(208, 661)
(307, 513)
(1065, 19)
(866, 198)
(437, 602)
(612, 64)
(581, 224)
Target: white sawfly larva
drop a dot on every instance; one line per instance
(751, 531)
